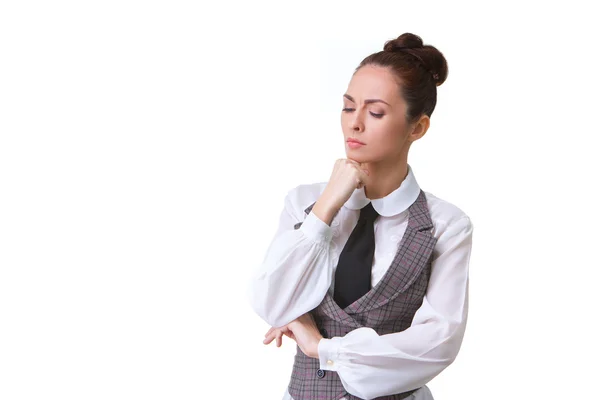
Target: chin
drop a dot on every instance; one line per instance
(356, 156)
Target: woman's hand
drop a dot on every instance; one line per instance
(347, 175)
(277, 333)
(303, 330)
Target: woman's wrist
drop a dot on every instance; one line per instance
(324, 211)
(315, 349)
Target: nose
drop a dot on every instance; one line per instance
(356, 121)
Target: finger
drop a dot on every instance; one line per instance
(360, 165)
(269, 331)
(363, 170)
(289, 332)
(279, 334)
(269, 339)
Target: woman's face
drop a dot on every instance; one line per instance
(374, 114)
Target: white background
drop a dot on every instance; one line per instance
(146, 148)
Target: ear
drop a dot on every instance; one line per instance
(420, 128)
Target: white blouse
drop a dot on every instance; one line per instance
(298, 270)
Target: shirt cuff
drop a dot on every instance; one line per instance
(316, 229)
(328, 350)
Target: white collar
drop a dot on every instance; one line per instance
(394, 203)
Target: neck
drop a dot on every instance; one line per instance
(384, 179)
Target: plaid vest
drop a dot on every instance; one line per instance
(387, 308)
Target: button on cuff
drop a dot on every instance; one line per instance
(328, 350)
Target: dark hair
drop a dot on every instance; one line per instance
(419, 70)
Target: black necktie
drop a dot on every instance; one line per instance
(353, 272)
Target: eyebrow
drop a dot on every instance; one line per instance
(368, 101)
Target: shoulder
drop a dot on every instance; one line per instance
(299, 197)
(304, 194)
(446, 216)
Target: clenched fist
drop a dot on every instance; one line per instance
(347, 176)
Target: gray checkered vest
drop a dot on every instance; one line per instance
(387, 308)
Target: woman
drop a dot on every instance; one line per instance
(367, 272)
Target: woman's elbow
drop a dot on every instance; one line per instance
(268, 310)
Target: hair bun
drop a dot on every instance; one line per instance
(428, 56)
(404, 41)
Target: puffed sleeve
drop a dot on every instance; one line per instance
(370, 365)
(297, 268)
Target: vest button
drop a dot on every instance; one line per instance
(320, 374)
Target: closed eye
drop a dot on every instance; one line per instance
(372, 113)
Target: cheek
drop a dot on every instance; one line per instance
(344, 118)
(346, 124)
(394, 131)
(385, 131)
(388, 136)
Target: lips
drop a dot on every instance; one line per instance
(354, 141)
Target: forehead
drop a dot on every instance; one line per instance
(371, 82)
